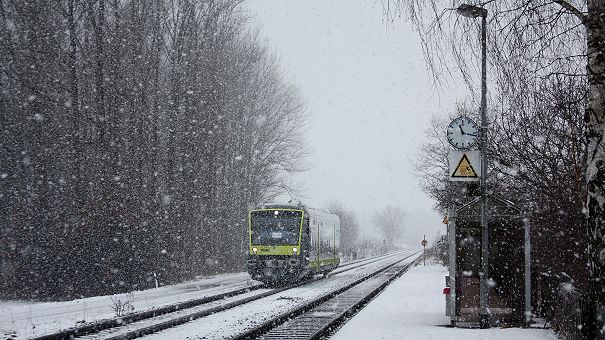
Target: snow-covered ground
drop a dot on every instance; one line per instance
(410, 308)
(30, 319)
(413, 307)
(25, 319)
(237, 320)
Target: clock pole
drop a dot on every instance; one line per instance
(484, 294)
(476, 12)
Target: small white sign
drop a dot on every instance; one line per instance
(465, 166)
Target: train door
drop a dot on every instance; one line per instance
(314, 243)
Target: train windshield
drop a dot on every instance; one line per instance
(275, 227)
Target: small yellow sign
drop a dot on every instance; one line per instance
(464, 168)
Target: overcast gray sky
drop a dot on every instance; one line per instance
(370, 100)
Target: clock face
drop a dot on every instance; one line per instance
(462, 133)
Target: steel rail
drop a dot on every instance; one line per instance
(138, 316)
(342, 269)
(103, 325)
(346, 314)
(142, 331)
(297, 312)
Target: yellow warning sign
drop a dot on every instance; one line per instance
(464, 168)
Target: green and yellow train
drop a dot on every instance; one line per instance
(289, 243)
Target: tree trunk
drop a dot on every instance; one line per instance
(75, 101)
(595, 174)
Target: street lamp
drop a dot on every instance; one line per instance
(471, 11)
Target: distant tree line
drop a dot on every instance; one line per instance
(389, 221)
(134, 136)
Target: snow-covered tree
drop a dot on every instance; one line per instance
(135, 135)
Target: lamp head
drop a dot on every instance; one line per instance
(471, 11)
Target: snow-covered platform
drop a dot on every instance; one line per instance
(413, 307)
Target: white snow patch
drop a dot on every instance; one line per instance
(166, 199)
(413, 307)
(567, 288)
(29, 319)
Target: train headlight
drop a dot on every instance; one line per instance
(294, 249)
(254, 250)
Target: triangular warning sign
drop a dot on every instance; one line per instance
(464, 168)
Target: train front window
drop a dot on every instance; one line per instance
(275, 227)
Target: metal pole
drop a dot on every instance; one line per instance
(452, 264)
(484, 275)
(424, 251)
(528, 315)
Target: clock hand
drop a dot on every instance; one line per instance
(461, 131)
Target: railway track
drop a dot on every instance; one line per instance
(99, 326)
(321, 316)
(356, 264)
(146, 322)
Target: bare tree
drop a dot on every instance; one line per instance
(349, 228)
(136, 133)
(391, 222)
(547, 38)
(432, 165)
